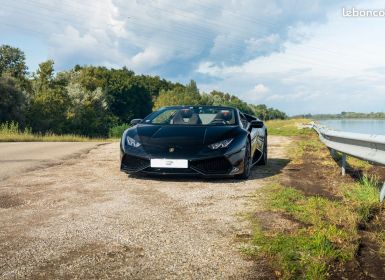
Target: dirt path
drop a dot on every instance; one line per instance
(19, 157)
(85, 219)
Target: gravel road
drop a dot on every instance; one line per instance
(84, 219)
(19, 157)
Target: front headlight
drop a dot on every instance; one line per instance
(221, 144)
(132, 142)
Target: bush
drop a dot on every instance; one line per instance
(117, 131)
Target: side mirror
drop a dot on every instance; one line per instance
(135, 121)
(256, 124)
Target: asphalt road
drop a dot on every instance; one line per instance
(84, 219)
(19, 157)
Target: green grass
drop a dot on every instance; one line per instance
(310, 144)
(10, 132)
(327, 233)
(327, 230)
(358, 163)
(299, 255)
(290, 127)
(364, 197)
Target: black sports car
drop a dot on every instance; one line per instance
(196, 140)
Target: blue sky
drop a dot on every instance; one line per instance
(299, 56)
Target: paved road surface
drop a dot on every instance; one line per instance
(18, 157)
(85, 219)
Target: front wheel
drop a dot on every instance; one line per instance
(246, 163)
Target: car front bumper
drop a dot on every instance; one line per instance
(210, 166)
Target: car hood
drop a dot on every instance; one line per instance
(156, 139)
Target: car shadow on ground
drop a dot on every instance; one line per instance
(273, 167)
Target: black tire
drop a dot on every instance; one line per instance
(263, 160)
(247, 163)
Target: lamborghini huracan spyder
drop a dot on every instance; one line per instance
(194, 140)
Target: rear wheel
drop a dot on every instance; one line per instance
(246, 163)
(263, 160)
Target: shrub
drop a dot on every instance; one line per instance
(117, 131)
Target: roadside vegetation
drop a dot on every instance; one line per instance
(288, 127)
(10, 132)
(327, 217)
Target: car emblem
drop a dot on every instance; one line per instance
(171, 150)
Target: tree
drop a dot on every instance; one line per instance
(260, 111)
(49, 103)
(126, 97)
(92, 77)
(12, 100)
(264, 113)
(12, 61)
(154, 85)
(44, 75)
(188, 95)
(88, 113)
(219, 98)
(192, 88)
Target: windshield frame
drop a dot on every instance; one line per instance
(146, 120)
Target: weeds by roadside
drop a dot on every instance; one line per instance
(305, 252)
(10, 132)
(326, 231)
(291, 127)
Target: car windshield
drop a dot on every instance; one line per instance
(193, 116)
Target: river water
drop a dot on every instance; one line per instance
(367, 126)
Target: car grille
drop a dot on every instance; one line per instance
(133, 163)
(212, 166)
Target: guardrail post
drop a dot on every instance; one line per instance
(343, 164)
(382, 193)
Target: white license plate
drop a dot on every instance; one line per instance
(169, 163)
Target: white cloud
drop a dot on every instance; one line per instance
(260, 88)
(266, 44)
(338, 66)
(148, 57)
(257, 93)
(190, 31)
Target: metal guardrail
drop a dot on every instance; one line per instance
(363, 146)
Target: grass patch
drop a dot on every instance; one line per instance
(364, 196)
(309, 144)
(290, 127)
(358, 163)
(10, 132)
(328, 234)
(327, 228)
(299, 255)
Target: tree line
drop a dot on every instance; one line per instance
(92, 100)
(344, 115)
